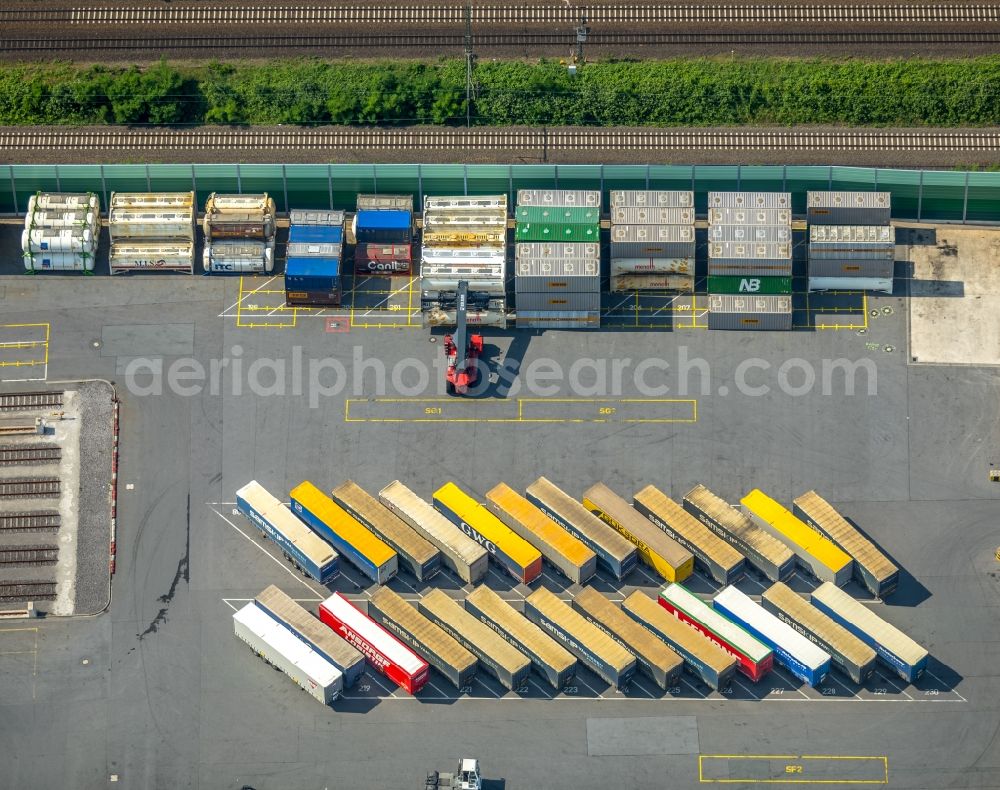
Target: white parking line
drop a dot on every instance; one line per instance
(946, 689)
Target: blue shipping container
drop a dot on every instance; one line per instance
(383, 227)
(312, 280)
(315, 234)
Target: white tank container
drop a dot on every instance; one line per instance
(58, 262)
(58, 240)
(61, 218)
(229, 257)
(152, 256)
(152, 200)
(151, 224)
(65, 201)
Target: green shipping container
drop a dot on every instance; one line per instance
(556, 231)
(749, 285)
(563, 215)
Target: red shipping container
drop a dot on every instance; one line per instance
(383, 258)
(381, 649)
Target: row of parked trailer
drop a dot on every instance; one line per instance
(553, 638)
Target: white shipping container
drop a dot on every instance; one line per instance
(324, 217)
(655, 281)
(756, 234)
(460, 256)
(559, 197)
(152, 200)
(301, 249)
(222, 257)
(532, 301)
(556, 250)
(873, 200)
(458, 203)
(652, 234)
(61, 218)
(281, 648)
(472, 222)
(151, 224)
(558, 267)
(487, 270)
(58, 240)
(749, 216)
(653, 215)
(495, 315)
(629, 198)
(151, 256)
(434, 287)
(58, 262)
(750, 200)
(881, 235)
(558, 319)
(652, 266)
(64, 201)
(878, 284)
(745, 250)
(260, 202)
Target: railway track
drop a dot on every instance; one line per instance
(29, 487)
(30, 401)
(37, 521)
(486, 139)
(27, 591)
(608, 13)
(492, 40)
(14, 556)
(17, 455)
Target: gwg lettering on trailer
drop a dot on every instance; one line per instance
(486, 544)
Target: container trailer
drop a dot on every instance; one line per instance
(318, 636)
(282, 649)
(702, 657)
(355, 542)
(654, 658)
(628, 198)
(415, 553)
(793, 651)
(592, 646)
(510, 551)
(768, 555)
(754, 658)
(894, 648)
(817, 554)
(495, 654)
(615, 554)
(848, 653)
(299, 544)
(459, 553)
(548, 658)
(381, 649)
(871, 567)
(441, 651)
(659, 551)
(569, 556)
(719, 559)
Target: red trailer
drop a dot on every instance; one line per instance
(382, 650)
(383, 259)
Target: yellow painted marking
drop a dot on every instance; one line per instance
(32, 338)
(249, 314)
(522, 410)
(797, 769)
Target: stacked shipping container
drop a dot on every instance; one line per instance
(652, 241)
(464, 239)
(384, 242)
(852, 245)
(749, 260)
(557, 282)
(239, 234)
(61, 232)
(313, 258)
(152, 231)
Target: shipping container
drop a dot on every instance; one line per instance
(301, 249)
(750, 200)
(385, 203)
(652, 266)
(459, 553)
(679, 283)
(871, 567)
(877, 256)
(753, 658)
(352, 540)
(848, 653)
(282, 649)
(860, 236)
(59, 240)
(652, 241)
(537, 231)
(252, 202)
(850, 284)
(845, 208)
(60, 218)
(749, 216)
(702, 657)
(549, 659)
(817, 554)
(628, 198)
(536, 275)
(462, 238)
(894, 648)
(174, 224)
(668, 559)
(495, 654)
(614, 553)
(769, 555)
(653, 215)
(560, 215)
(473, 272)
(569, 556)
(594, 648)
(152, 200)
(727, 311)
(443, 291)
(495, 315)
(880, 270)
(750, 250)
(558, 197)
(312, 281)
(309, 216)
(239, 217)
(315, 234)
(750, 234)
(464, 221)
(384, 226)
(239, 257)
(464, 256)
(510, 551)
(299, 545)
(281, 608)
(793, 651)
(654, 658)
(718, 558)
(545, 250)
(721, 284)
(65, 201)
(733, 267)
(558, 319)
(381, 259)
(471, 203)
(58, 261)
(151, 256)
(415, 553)
(558, 301)
(441, 651)
(382, 650)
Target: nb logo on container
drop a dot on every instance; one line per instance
(750, 285)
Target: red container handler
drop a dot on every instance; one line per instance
(383, 259)
(381, 649)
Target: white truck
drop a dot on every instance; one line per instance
(466, 778)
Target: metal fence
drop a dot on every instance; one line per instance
(916, 194)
